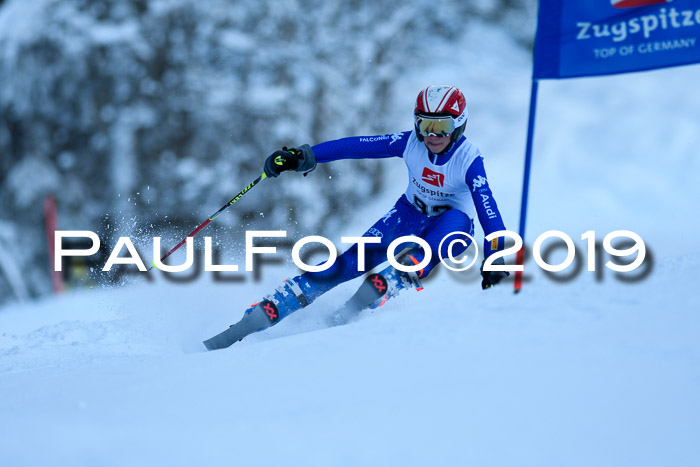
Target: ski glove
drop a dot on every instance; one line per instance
(491, 278)
(300, 159)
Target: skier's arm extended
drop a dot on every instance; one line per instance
(490, 219)
(304, 158)
(362, 147)
(486, 207)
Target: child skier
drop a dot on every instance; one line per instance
(447, 189)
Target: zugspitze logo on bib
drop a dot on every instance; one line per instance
(635, 3)
(434, 178)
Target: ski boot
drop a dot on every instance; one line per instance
(396, 281)
(286, 299)
(375, 291)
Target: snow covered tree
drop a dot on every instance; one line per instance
(142, 116)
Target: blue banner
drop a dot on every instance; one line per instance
(601, 37)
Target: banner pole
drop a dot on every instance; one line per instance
(526, 183)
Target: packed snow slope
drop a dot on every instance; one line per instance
(576, 373)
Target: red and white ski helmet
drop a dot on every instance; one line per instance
(443, 100)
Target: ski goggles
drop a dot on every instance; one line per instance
(438, 126)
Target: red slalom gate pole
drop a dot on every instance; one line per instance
(519, 260)
(51, 224)
(211, 218)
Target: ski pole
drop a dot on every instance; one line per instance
(212, 217)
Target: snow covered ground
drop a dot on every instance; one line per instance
(580, 373)
(577, 375)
